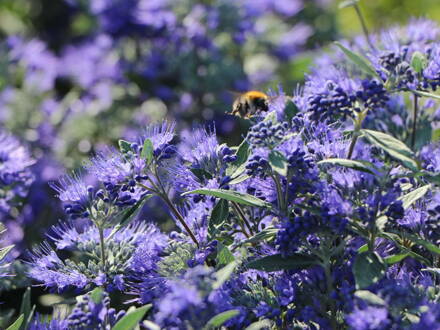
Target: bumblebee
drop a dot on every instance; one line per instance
(249, 104)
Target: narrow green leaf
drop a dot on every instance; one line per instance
(347, 3)
(413, 196)
(239, 179)
(277, 262)
(17, 323)
(278, 162)
(395, 258)
(150, 325)
(363, 248)
(238, 166)
(259, 325)
(427, 245)
(147, 151)
(223, 274)
(97, 295)
(124, 146)
(219, 213)
(26, 308)
(426, 94)
(368, 268)
(230, 195)
(201, 174)
(132, 319)
(224, 256)
(218, 320)
(4, 251)
(370, 297)
(395, 148)
(359, 165)
(418, 61)
(290, 110)
(360, 61)
(266, 235)
(127, 216)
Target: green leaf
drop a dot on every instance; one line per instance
(368, 268)
(127, 216)
(17, 323)
(201, 174)
(363, 248)
(426, 94)
(427, 245)
(4, 251)
(277, 262)
(418, 61)
(224, 274)
(263, 324)
(360, 165)
(238, 166)
(218, 320)
(370, 297)
(278, 162)
(290, 110)
(219, 213)
(395, 148)
(147, 151)
(150, 325)
(26, 308)
(132, 319)
(265, 235)
(239, 179)
(413, 196)
(230, 195)
(347, 3)
(124, 146)
(360, 61)
(224, 256)
(395, 258)
(96, 295)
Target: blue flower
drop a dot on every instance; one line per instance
(93, 311)
(121, 259)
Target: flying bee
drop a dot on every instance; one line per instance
(249, 104)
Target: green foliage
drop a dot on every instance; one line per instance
(132, 318)
(220, 319)
(230, 195)
(17, 323)
(278, 162)
(360, 61)
(360, 165)
(147, 151)
(394, 147)
(276, 262)
(368, 268)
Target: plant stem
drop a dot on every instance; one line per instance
(352, 144)
(329, 284)
(160, 191)
(414, 128)
(242, 216)
(363, 24)
(179, 217)
(280, 194)
(102, 245)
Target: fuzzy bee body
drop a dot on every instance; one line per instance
(250, 103)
